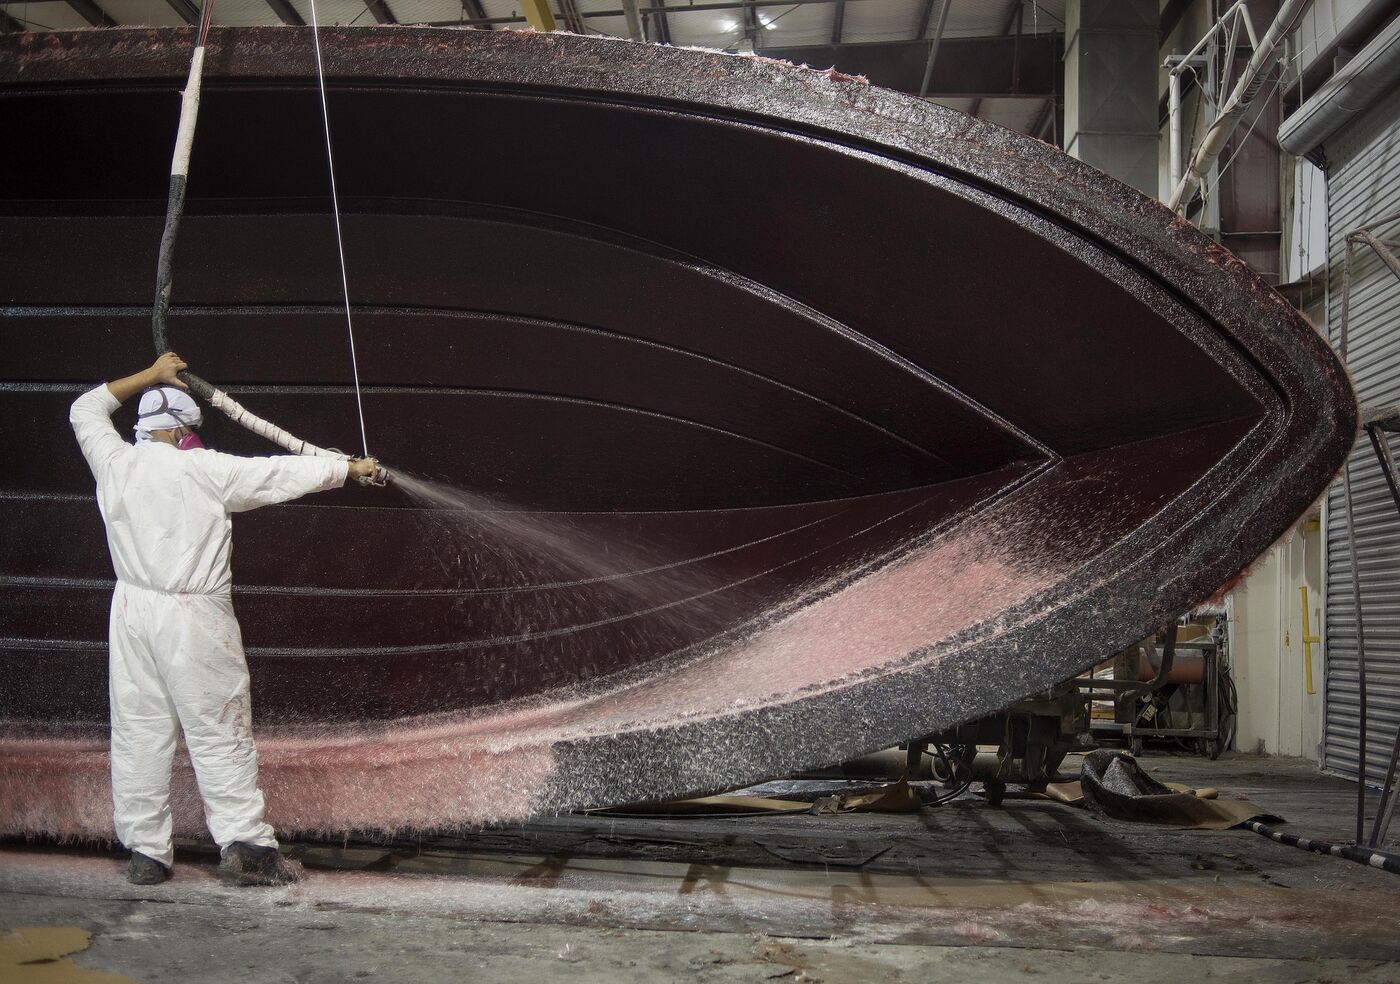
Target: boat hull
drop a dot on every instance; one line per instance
(819, 417)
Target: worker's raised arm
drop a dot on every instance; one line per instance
(91, 413)
(162, 372)
(247, 483)
(91, 417)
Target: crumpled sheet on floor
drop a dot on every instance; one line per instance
(1112, 784)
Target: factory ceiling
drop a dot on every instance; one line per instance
(998, 59)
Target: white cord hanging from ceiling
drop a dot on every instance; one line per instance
(339, 237)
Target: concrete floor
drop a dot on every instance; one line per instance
(1033, 891)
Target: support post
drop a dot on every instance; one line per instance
(634, 20)
(538, 15)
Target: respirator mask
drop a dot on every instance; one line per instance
(166, 408)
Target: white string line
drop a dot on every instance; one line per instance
(339, 239)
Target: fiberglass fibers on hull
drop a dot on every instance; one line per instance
(871, 417)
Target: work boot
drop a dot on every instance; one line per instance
(248, 864)
(141, 870)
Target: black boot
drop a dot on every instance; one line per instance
(248, 864)
(141, 870)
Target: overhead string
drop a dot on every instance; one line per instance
(339, 237)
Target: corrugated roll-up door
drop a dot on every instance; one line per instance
(1363, 184)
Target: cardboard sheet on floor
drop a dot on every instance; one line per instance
(895, 797)
(1112, 784)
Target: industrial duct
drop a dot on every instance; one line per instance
(1372, 73)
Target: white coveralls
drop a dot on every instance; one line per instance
(176, 651)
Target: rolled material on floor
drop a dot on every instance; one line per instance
(883, 416)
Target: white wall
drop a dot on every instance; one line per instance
(1322, 23)
(1277, 716)
(1305, 219)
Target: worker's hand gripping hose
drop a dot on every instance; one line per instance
(175, 206)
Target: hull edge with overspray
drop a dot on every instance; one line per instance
(935, 415)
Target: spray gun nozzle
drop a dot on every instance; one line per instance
(380, 477)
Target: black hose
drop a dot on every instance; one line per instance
(174, 210)
(1361, 855)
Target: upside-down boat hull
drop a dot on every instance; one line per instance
(872, 417)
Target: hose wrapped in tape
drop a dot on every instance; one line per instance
(244, 417)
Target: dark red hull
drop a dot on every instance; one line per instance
(891, 416)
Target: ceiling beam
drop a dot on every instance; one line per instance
(187, 11)
(573, 19)
(838, 21)
(933, 47)
(964, 69)
(1046, 117)
(286, 13)
(925, 17)
(662, 26)
(89, 11)
(1171, 17)
(380, 11)
(1013, 19)
(476, 11)
(657, 10)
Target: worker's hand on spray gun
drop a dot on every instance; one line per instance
(164, 371)
(361, 468)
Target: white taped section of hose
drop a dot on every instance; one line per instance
(189, 113)
(240, 415)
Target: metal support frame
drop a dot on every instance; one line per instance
(1126, 693)
(1164, 669)
(1232, 109)
(1171, 17)
(475, 10)
(656, 12)
(838, 21)
(1013, 19)
(1046, 120)
(1200, 66)
(89, 11)
(381, 13)
(187, 11)
(573, 18)
(286, 13)
(933, 48)
(657, 16)
(1378, 424)
(749, 20)
(925, 18)
(635, 29)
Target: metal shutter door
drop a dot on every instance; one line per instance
(1364, 184)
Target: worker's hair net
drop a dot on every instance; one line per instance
(165, 408)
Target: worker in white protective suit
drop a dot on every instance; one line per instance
(176, 651)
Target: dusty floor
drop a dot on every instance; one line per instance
(1032, 890)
